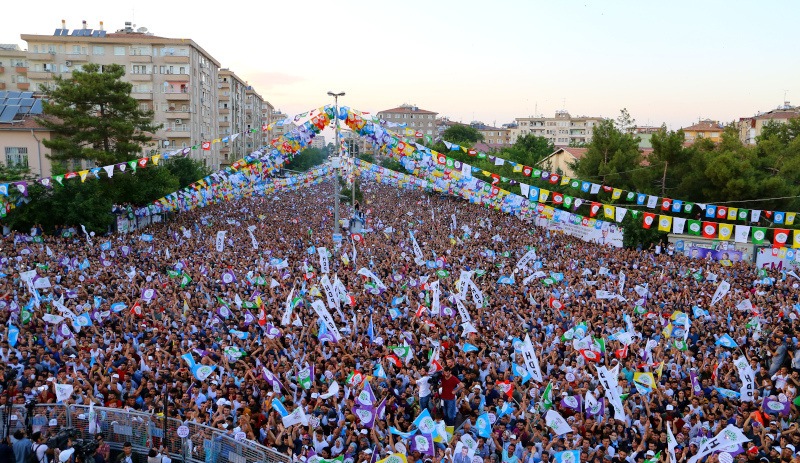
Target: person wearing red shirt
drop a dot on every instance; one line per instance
(450, 387)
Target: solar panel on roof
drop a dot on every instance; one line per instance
(36, 108)
(9, 113)
(13, 94)
(3, 94)
(12, 101)
(26, 101)
(26, 95)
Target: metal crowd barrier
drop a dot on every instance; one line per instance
(144, 431)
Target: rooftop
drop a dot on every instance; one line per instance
(704, 126)
(407, 109)
(16, 106)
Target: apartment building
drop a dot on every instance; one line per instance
(21, 136)
(13, 68)
(254, 119)
(232, 96)
(562, 129)
(415, 118)
(176, 78)
(708, 129)
(277, 130)
(750, 127)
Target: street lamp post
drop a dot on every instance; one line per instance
(337, 165)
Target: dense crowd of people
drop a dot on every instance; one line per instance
(226, 325)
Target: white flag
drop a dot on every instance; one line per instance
(323, 260)
(755, 215)
(88, 238)
(287, 313)
(325, 316)
(671, 444)
(652, 201)
(741, 233)
(678, 225)
(253, 240)
(369, 274)
(721, 291)
(417, 251)
(557, 423)
(531, 362)
(747, 377)
(298, 416)
(221, 241)
(744, 305)
(63, 391)
(731, 436)
(620, 214)
(529, 256)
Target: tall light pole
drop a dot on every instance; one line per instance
(337, 163)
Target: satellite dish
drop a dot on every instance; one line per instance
(141, 29)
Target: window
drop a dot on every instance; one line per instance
(76, 49)
(17, 156)
(139, 69)
(119, 51)
(98, 50)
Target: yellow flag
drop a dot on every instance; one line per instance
(665, 223)
(345, 259)
(645, 379)
(725, 231)
(790, 218)
(216, 140)
(83, 174)
(609, 211)
(796, 239)
(565, 181)
(518, 168)
(616, 194)
(394, 458)
(155, 159)
(543, 195)
(732, 213)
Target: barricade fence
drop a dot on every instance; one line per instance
(144, 431)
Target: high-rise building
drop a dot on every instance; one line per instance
(231, 94)
(562, 129)
(176, 78)
(253, 119)
(13, 68)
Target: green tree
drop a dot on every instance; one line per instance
(670, 163)
(308, 159)
(528, 150)
(186, 170)
(13, 173)
(463, 135)
(635, 235)
(612, 158)
(93, 117)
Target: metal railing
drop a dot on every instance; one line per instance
(144, 431)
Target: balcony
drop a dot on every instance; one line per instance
(142, 95)
(177, 114)
(40, 56)
(2, 69)
(224, 110)
(2, 85)
(177, 96)
(78, 57)
(21, 69)
(177, 131)
(141, 77)
(177, 77)
(176, 59)
(23, 86)
(140, 59)
(40, 75)
(224, 124)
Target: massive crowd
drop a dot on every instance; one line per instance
(230, 333)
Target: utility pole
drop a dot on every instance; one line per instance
(337, 164)
(664, 180)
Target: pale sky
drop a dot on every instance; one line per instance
(671, 62)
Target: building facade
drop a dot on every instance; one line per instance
(562, 159)
(254, 120)
(708, 129)
(750, 127)
(562, 129)
(415, 118)
(176, 78)
(13, 68)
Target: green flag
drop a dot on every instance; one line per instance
(687, 208)
(185, 280)
(442, 273)
(654, 458)
(172, 273)
(249, 305)
(743, 214)
(548, 281)
(639, 310)
(25, 316)
(547, 398)
(568, 335)
(600, 343)
(759, 235)
(694, 227)
(680, 344)
(631, 196)
(304, 378)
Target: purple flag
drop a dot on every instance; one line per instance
(126, 250)
(224, 312)
(572, 402)
(366, 414)
(598, 410)
(774, 406)
(366, 397)
(695, 382)
(148, 294)
(248, 318)
(272, 331)
(423, 443)
(64, 331)
(271, 379)
(228, 277)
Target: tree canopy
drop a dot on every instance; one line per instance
(93, 117)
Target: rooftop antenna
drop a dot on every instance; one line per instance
(564, 104)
